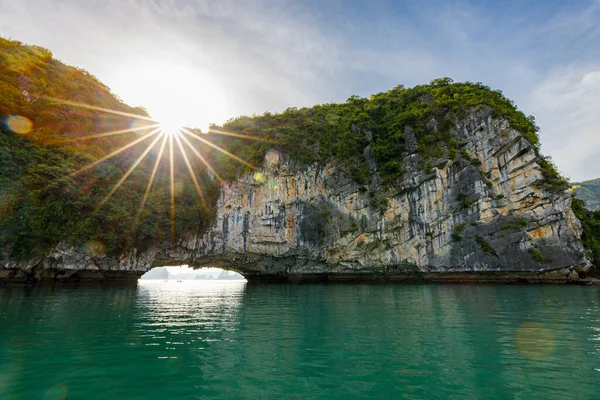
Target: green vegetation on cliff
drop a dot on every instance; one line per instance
(589, 192)
(422, 117)
(590, 220)
(586, 206)
(31, 80)
(42, 202)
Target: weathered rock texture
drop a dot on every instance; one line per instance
(484, 218)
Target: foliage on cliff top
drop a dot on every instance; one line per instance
(384, 121)
(589, 192)
(40, 203)
(31, 81)
(590, 221)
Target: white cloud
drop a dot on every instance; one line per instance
(566, 105)
(213, 59)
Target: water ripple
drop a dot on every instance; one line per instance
(232, 341)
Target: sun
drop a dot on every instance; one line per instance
(171, 135)
(172, 118)
(171, 125)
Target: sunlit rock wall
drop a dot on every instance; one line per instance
(489, 214)
(484, 216)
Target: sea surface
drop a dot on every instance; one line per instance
(232, 340)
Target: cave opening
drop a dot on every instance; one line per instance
(184, 273)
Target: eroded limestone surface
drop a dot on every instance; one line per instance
(486, 217)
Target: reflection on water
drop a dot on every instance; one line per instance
(233, 340)
(189, 305)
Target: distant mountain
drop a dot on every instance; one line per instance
(162, 273)
(589, 192)
(230, 276)
(158, 273)
(189, 276)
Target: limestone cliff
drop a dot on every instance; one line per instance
(482, 216)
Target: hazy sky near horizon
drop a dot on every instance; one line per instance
(207, 61)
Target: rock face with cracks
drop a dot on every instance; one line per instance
(484, 216)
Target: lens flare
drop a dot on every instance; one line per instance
(272, 184)
(131, 169)
(272, 157)
(172, 187)
(214, 146)
(94, 248)
(202, 159)
(239, 135)
(534, 340)
(114, 153)
(58, 392)
(259, 177)
(151, 181)
(174, 363)
(19, 124)
(192, 174)
(168, 132)
(105, 134)
(96, 108)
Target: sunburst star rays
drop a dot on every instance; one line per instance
(129, 171)
(222, 150)
(105, 134)
(149, 128)
(151, 181)
(239, 135)
(172, 186)
(102, 109)
(114, 153)
(191, 171)
(201, 157)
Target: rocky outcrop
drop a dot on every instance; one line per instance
(483, 215)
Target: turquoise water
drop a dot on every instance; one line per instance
(230, 340)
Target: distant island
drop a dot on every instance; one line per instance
(208, 274)
(589, 192)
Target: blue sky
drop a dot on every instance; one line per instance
(206, 61)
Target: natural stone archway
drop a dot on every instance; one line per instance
(487, 219)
